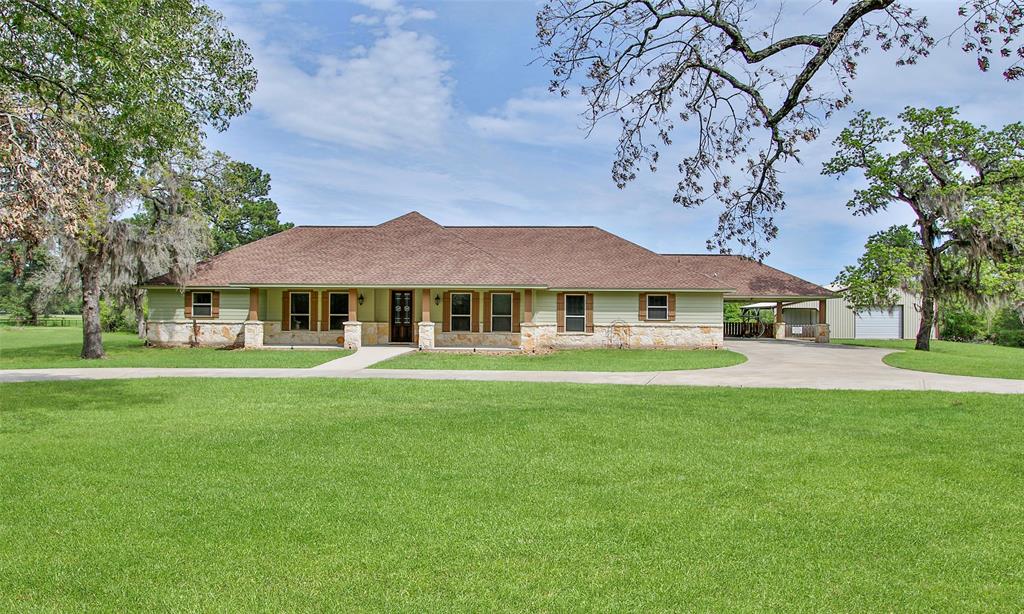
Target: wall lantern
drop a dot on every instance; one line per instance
(437, 299)
(361, 299)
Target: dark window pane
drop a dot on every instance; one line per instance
(339, 303)
(575, 324)
(501, 324)
(202, 297)
(657, 313)
(202, 311)
(338, 322)
(300, 322)
(461, 304)
(501, 304)
(300, 304)
(657, 300)
(461, 323)
(575, 305)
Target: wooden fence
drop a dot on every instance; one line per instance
(749, 329)
(58, 321)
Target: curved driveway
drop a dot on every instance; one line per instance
(770, 364)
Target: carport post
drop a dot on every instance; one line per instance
(780, 326)
(822, 316)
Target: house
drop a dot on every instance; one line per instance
(411, 280)
(900, 322)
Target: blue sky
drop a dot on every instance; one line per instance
(367, 110)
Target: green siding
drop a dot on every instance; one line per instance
(169, 304)
(610, 307)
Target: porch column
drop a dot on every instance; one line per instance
(780, 326)
(353, 329)
(528, 306)
(822, 335)
(425, 305)
(254, 303)
(252, 329)
(426, 327)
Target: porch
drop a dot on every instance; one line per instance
(425, 318)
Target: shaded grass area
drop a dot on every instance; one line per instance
(42, 348)
(977, 359)
(335, 495)
(568, 360)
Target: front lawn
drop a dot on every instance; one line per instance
(340, 495)
(976, 359)
(568, 360)
(51, 348)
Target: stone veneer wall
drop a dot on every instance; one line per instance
(203, 332)
(480, 340)
(643, 335)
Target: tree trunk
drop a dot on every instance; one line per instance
(928, 282)
(92, 336)
(138, 301)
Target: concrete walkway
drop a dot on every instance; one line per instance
(366, 356)
(770, 364)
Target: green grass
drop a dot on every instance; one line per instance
(49, 348)
(341, 495)
(569, 360)
(979, 360)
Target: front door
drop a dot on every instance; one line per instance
(401, 316)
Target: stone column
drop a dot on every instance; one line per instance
(823, 334)
(426, 336)
(353, 335)
(780, 325)
(253, 333)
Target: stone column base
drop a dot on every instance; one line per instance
(353, 335)
(822, 334)
(426, 336)
(780, 330)
(253, 335)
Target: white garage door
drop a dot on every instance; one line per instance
(879, 324)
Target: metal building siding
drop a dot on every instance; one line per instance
(841, 317)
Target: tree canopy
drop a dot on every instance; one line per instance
(106, 88)
(719, 66)
(963, 183)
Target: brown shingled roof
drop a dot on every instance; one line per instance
(412, 250)
(749, 278)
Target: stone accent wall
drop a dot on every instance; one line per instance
(273, 335)
(477, 340)
(376, 333)
(199, 332)
(642, 335)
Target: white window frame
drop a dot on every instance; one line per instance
(292, 313)
(452, 315)
(650, 307)
(206, 304)
(583, 317)
(331, 314)
(511, 308)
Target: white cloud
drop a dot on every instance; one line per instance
(538, 117)
(393, 92)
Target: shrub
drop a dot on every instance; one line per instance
(960, 323)
(1007, 329)
(115, 318)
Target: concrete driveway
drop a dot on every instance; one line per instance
(770, 364)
